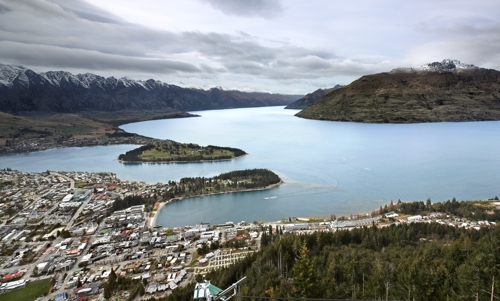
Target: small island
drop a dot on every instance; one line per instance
(171, 151)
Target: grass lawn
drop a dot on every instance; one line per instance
(32, 291)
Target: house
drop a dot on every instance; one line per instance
(414, 218)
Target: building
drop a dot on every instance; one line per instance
(205, 291)
(14, 276)
(414, 218)
(292, 227)
(13, 285)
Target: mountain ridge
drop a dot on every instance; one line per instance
(436, 93)
(22, 89)
(311, 98)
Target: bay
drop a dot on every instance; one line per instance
(328, 167)
(332, 167)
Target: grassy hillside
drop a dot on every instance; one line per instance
(50, 127)
(93, 124)
(413, 97)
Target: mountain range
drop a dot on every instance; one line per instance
(440, 91)
(22, 89)
(311, 98)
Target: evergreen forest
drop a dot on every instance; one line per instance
(420, 261)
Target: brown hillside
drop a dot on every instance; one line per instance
(412, 97)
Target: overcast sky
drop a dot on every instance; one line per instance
(281, 46)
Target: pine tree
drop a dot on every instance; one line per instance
(304, 284)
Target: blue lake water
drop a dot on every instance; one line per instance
(328, 167)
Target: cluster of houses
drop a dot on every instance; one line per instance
(171, 282)
(40, 207)
(444, 219)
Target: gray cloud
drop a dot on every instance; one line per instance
(78, 37)
(37, 7)
(59, 57)
(87, 11)
(248, 8)
(4, 9)
(473, 41)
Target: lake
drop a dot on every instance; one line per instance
(328, 167)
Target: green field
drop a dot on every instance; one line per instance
(32, 291)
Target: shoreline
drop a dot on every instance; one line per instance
(152, 221)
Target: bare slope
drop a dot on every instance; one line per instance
(430, 94)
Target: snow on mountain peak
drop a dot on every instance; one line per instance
(8, 73)
(446, 65)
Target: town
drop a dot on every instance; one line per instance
(72, 231)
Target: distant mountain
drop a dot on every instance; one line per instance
(22, 89)
(440, 91)
(311, 98)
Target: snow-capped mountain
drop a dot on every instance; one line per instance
(22, 89)
(446, 65)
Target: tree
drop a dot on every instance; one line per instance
(304, 284)
(141, 289)
(107, 290)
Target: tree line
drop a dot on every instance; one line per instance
(405, 262)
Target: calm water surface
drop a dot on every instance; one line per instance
(329, 167)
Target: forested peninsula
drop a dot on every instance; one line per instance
(239, 180)
(171, 151)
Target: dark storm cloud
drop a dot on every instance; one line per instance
(248, 8)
